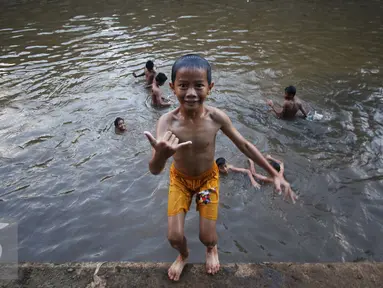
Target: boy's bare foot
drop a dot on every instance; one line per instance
(212, 261)
(175, 270)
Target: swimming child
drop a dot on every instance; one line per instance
(149, 73)
(225, 168)
(291, 105)
(119, 125)
(157, 99)
(188, 134)
(279, 167)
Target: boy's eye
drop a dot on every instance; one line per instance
(182, 85)
(200, 85)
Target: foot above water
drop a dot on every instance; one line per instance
(175, 270)
(212, 261)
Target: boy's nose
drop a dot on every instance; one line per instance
(191, 92)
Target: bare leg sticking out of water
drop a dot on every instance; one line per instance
(208, 236)
(178, 241)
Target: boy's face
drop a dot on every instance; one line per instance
(288, 96)
(223, 168)
(121, 125)
(191, 87)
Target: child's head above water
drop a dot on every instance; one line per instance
(221, 163)
(275, 165)
(290, 92)
(191, 81)
(161, 79)
(149, 65)
(119, 123)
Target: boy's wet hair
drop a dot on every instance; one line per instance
(149, 65)
(220, 161)
(275, 165)
(192, 61)
(161, 78)
(291, 90)
(118, 119)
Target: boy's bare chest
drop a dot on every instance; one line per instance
(202, 135)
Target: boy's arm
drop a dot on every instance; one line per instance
(158, 96)
(157, 163)
(253, 153)
(263, 178)
(236, 169)
(151, 77)
(140, 75)
(278, 111)
(302, 110)
(248, 172)
(160, 99)
(246, 147)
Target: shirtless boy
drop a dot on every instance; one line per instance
(188, 135)
(149, 73)
(291, 105)
(157, 99)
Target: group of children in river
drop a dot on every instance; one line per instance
(187, 134)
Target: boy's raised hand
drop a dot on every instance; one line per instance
(281, 185)
(167, 145)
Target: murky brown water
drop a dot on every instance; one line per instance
(80, 192)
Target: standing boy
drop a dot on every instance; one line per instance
(188, 135)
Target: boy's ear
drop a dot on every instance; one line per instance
(211, 87)
(171, 85)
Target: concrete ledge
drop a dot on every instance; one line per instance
(123, 274)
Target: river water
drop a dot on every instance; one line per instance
(82, 193)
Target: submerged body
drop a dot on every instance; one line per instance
(291, 105)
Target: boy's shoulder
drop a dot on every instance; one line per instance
(216, 114)
(169, 116)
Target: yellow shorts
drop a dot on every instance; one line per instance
(183, 187)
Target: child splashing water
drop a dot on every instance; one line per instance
(188, 135)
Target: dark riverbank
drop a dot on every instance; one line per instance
(120, 274)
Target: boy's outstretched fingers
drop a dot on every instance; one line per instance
(183, 144)
(151, 139)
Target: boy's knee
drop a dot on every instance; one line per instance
(175, 238)
(208, 239)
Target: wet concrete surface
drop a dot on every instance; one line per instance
(125, 274)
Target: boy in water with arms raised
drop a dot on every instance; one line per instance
(188, 135)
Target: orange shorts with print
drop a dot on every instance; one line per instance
(182, 189)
